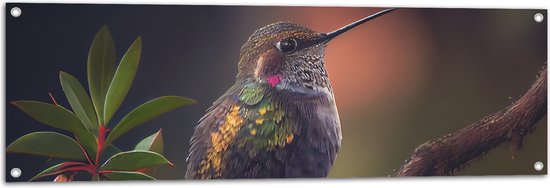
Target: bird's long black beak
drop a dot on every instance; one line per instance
(331, 35)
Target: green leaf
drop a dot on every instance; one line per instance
(49, 144)
(88, 141)
(109, 151)
(134, 160)
(49, 114)
(101, 68)
(122, 80)
(79, 100)
(121, 175)
(48, 170)
(146, 112)
(152, 143)
(61, 118)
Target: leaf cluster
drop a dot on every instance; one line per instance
(91, 149)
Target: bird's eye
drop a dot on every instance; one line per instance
(287, 45)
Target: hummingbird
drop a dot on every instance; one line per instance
(279, 119)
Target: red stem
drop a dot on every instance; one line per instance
(105, 171)
(100, 143)
(53, 99)
(65, 165)
(92, 168)
(70, 163)
(88, 168)
(143, 170)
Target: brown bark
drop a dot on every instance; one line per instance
(446, 155)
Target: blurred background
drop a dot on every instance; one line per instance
(407, 77)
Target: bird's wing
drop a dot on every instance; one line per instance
(201, 140)
(243, 124)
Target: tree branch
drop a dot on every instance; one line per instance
(448, 154)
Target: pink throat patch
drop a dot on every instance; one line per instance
(274, 80)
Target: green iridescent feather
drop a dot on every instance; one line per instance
(266, 126)
(251, 95)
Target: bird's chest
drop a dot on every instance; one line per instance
(278, 122)
(268, 133)
(297, 137)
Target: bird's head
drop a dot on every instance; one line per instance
(289, 56)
